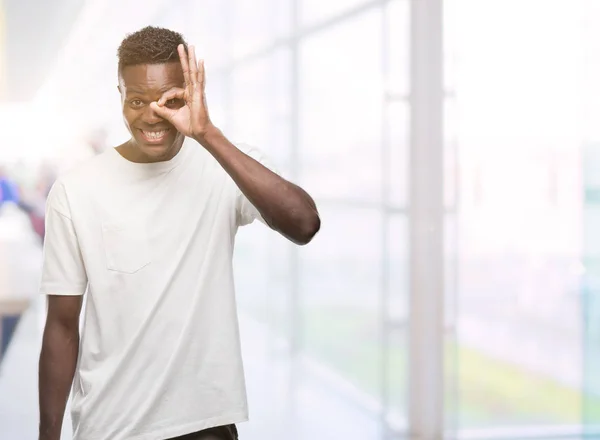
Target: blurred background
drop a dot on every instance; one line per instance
(453, 149)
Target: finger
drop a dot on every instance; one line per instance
(174, 93)
(201, 75)
(164, 112)
(183, 57)
(193, 65)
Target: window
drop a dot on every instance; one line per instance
(340, 278)
(340, 110)
(260, 116)
(397, 21)
(205, 24)
(258, 24)
(354, 280)
(315, 11)
(261, 106)
(519, 340)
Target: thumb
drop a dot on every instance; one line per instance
(162, 111)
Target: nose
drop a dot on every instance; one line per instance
(150, 117)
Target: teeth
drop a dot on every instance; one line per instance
(155, 134)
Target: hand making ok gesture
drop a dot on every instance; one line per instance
(192, 118)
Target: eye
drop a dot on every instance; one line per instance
(173, 102)
(136, 103)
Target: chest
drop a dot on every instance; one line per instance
(125, 225)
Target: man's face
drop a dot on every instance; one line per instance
(155, 138)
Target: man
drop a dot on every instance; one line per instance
(147, 229)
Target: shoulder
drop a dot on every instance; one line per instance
(86, 171)
(77, 179)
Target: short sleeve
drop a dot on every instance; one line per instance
(63, 271)
(246, 211)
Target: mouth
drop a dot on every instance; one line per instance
(154, 136)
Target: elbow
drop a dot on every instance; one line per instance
(308, 229)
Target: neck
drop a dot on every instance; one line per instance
(130, 151)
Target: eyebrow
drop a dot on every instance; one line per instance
(141, 92)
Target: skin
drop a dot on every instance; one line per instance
(60, 348)
(139, 86)
(170, 97)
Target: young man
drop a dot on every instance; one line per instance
(147, 229)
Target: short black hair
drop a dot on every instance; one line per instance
(150, 45)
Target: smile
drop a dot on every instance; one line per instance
(154, 137)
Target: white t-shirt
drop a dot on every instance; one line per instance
(152, 246)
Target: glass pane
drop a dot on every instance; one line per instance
(261, 106)
(313, 11)
(280, 288)
(397, 16)
(251, 259)
(216, 96)
(520, 221)
(206, 26)
(259, 94)
(451, 242)
(450, 153)
(398, 268)
(395, 357)
(591, 215)
(341, 293)
(590, 271)
(451, 366)
(398, 166)
(257, 24)
(451, 55)
(495, 67)
(340, 110)
(591, 70)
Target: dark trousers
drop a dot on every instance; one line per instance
(227, 432)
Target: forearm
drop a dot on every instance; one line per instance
(58, 360)
(283, 205)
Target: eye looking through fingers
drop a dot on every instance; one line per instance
(174, 103)
(175, 93)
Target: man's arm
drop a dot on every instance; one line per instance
(58, 360)
(285, 207)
